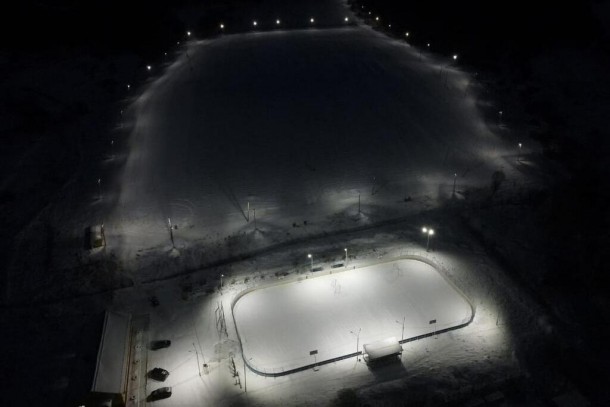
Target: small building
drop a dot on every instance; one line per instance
(381, 350)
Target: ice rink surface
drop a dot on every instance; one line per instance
(280, 325)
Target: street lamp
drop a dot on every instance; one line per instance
(277, 22)
(222, 26)
(346, 19)
(311, 20)
(188, 33)
(519, 154)
(357, 341)
(402, 335)
(99, 187)
(254, 23)
(311, 258)
(345, 250)
(128, 86)
(148, 67)
(407, 34)
(454, 181)
(429, 232)
(221, 276)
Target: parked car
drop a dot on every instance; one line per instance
(154, 345)
(158, 374)
(161, 393)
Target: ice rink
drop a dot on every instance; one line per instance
(280, 325)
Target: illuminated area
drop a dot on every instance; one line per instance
(390, 128)
(280, 325)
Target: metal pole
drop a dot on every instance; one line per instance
(255, 227)
(248, 217)
(171, 232)
(358, 202)
(345, 256)
(402, 336)
(99, 187)
(454, 181)
(245, 380)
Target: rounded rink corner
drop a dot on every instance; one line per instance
(297, 324)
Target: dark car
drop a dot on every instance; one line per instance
(158, 374)
(162, 393)
(154, 345)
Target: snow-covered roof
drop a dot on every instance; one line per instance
(110, 370)
(382, 348)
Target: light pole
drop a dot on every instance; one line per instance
(500, 118)
(222, 26)
(429, 232)
(519, 154)
(311, 20)
(357, 341)
(454, 182)
(311, 258)
(345, 250)
(277, 22)
(444, 67)
(402, 335)
(171, 232)
(99, 187)
(221, 276)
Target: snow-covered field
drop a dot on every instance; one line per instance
(305, 127)
(332, 314)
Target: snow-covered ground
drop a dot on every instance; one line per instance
(320, 131)
(278, 326)
(304, 127)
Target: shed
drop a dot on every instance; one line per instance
(381, 349)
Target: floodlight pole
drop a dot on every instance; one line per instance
(171, 232)
(358, 202)
(345, 256)
(402, 336)
(357, 342)
(248, 216)
(99, 187)
(454, 182)
(519, 154)
(311, 258)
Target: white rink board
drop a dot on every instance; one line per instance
(280, 325)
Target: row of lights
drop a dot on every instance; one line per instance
(425, 230)
(278, 22)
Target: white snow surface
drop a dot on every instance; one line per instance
(301, 124)
(279, 325)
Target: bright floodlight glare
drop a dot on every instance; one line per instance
(277, 22)
(346, 19)
(188, 33)
(454, 57)
(376, 18)
(425, 230)
(254, 22)
(407, 34)
(311, 20)
(222, 26)
(431, 232)
(148, 67)
(428, 45)
(519, 145)
(309, 256)
(389, 25)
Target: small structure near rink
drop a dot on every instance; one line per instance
(381, 350)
